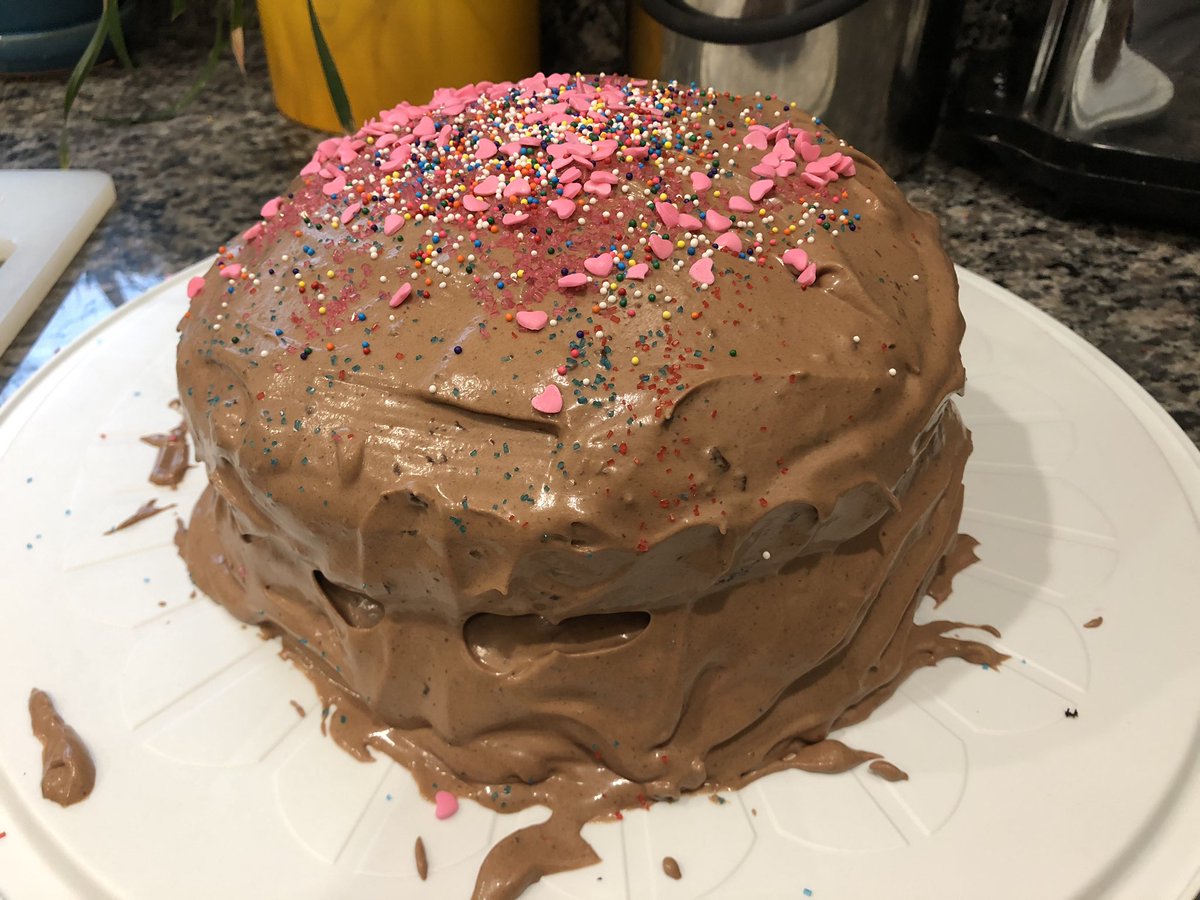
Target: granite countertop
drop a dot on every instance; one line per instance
(185, 185)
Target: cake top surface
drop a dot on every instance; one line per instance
(599, 308)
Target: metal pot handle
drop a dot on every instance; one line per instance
(679, 16)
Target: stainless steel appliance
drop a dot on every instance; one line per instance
(1097, 102)
(874, 70)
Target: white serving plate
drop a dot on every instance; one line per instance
(1083, 492)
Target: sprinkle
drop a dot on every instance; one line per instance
(892, 372)
(575, 279)
(446, 804)
(549, 401)
(402, 294)
(532, 320)
(194, 286)
(702, 271)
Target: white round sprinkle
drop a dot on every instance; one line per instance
(892, 372)
(433, 389)
(856, 339)
(766, 554)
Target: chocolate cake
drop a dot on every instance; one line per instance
(587, 441)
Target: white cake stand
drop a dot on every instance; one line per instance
(1085, 497)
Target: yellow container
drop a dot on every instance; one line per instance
(392, 50)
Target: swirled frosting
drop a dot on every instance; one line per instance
(589, 441)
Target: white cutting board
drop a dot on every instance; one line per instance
(45, 216)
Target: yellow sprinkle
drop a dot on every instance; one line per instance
(520, 273)
(666, 314)
(635, 360)
(774, 229)
(662, 196)
(321, 310)
(302, 284)
(408, 217)
(329, 273)
(681, 244)
(762, 211)
(716, 193)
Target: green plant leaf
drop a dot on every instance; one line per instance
(162, 114)
(337, 91)
(112, 19)
(90, 54)
(178, 8)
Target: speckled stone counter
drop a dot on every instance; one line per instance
(183, 186)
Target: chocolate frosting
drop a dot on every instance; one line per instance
(68, 773)
(587, 442)
(171, 463)
(147, 510)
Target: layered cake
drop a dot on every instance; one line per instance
(588, 441)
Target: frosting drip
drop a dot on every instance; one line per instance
(68, 773)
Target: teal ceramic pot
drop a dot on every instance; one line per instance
(48, 36)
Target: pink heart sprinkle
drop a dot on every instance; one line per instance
(729, 241)
(518, 187)
(446, 803)
(700, 182)
(254, 232)
(424, 128)
(532, 319)
(761, 188)
(702, 271)
(598, 265)
(312, 168)
(599, 188)
(808, 276)
(689, 222)
(716, 221)
(562, 207)
(604, 149)
(808, 152)
(400, 296)
(335, 187)
(785, 168)
(756, 139)
(638, 272)
(271, 207)
(668, 213)
(392, 223)
(487, 187)
(738, 203)
(549, 401)
(569, 175)
(195, 286)
(350, 212)
(796, 257)
(764, 170)
(485, 149)
(660, 246)
(572, 190)
(515, 218)
(575, 279)
(233, 270)
(474, 204)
